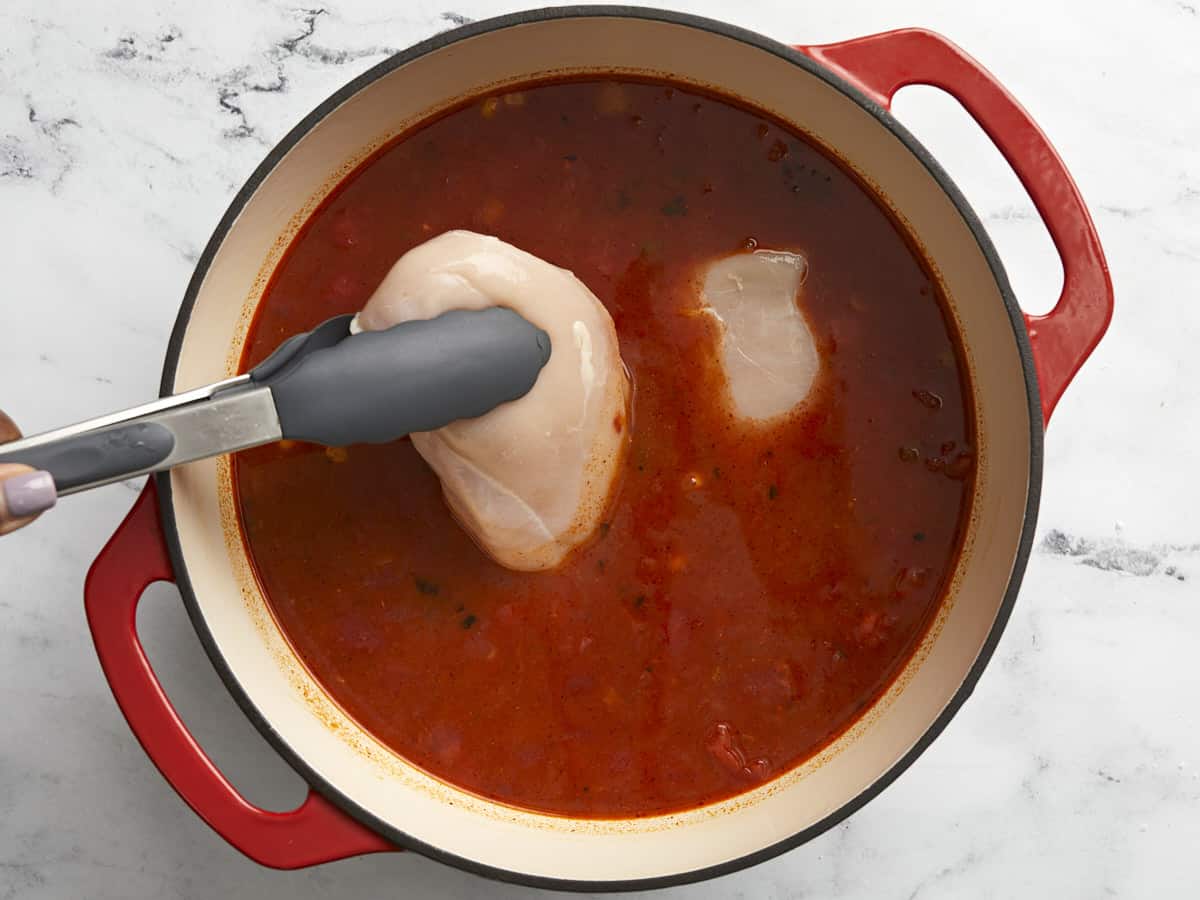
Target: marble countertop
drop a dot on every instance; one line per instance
(1074, 771)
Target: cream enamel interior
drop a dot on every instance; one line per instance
(490, 834)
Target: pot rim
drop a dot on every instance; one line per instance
(885, 118)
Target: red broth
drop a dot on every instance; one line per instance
(753, 591)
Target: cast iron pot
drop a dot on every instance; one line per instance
(364, 798)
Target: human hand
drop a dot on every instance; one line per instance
(25, 493)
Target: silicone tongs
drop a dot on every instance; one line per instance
(327, 386)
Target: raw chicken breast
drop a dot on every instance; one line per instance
(767, 349)
(531, 479)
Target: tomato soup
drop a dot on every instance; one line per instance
(753, 590)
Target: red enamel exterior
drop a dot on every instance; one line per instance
(136, 556)
(881, 64)
(133, 559)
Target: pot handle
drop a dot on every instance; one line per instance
(881, 64)
(135, 557)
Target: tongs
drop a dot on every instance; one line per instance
(326, 386)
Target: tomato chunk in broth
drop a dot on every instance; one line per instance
(755, 587)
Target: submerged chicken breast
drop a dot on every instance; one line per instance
(531, 479)
(767, 349)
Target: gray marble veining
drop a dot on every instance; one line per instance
(1074, 771)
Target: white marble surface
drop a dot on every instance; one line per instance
(126, 127)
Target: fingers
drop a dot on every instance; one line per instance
(8, 429)
(24, 495)
(24, 492)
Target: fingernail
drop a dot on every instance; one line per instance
(29, 494)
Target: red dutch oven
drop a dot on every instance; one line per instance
(365, 799)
